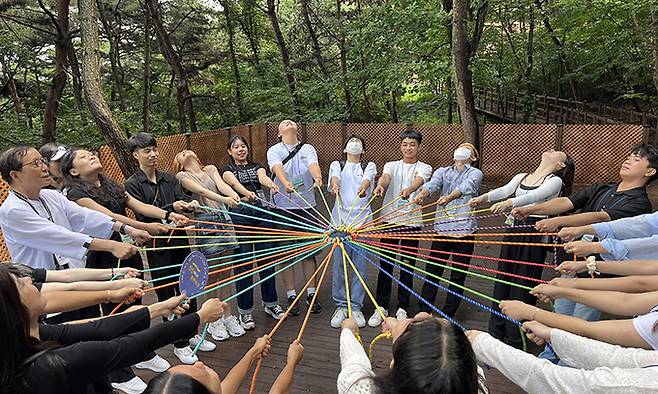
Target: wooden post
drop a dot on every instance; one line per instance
(343, 132)
(559, 135)
(546, 110)
(251, 140)
(514, 104)
(188, 140)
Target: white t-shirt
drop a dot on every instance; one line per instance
(351, 178)
(644, 326)
(297, 173)
(402, 175)
(33, 239)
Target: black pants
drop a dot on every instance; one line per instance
(165, 258)
(384, 281)
(500, 328)
(429, 290)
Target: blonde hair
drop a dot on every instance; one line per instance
(177, 167)
(474, 152)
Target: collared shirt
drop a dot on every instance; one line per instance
(448, 179)
(402, 176)
(629, 238)
(163, 193)
(38, 231)
(353, 209)
(606, 198)
(297, 172)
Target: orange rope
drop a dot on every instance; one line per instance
(381, 220)
(315, 296)
(464, 240)
(324, 263)
(269, 230)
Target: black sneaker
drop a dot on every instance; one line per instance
(295, 310)
(275, 311)
(317, 308)
(247, 321)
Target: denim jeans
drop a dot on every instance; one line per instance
(565, 306)
(357, 292)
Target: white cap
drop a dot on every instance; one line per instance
(59, 153)
(462, 154)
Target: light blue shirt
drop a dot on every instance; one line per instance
(447, 179)
(629, 238)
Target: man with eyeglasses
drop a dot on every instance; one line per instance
(41, 227)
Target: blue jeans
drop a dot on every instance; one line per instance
(567, 307)
(357, 292)
(268, 287)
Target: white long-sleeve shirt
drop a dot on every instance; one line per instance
(549, 189)
(356, 375)
(597, 367)
(35, 240)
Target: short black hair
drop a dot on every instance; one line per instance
(650, 153)
(48, 150)
(141, 141)
(11, 160)
(169, 383)
(413, 134)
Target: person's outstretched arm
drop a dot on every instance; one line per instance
(233, 380)
(283, 382)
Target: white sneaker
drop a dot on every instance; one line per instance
(186, 355)
(360, 319)
(376, 318)
(401, 314)
(156, 364)
(233, 326)
(218, 331)
(339, 315)
(133, 386)
(206, 346)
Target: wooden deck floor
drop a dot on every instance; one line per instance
(319, 369)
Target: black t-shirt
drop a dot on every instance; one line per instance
(76, 192)
(92, 350)
(163, 193)
(247, 174)
(605, 197)
(39, 277)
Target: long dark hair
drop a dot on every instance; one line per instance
(168, 383)
(232, 140)
(109, 191)
(19, 345)
(431, 356)
(567, 174)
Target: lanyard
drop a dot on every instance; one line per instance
(601, 205)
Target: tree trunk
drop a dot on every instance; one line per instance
(234, 61)
(528, 70)
(146, 78)
(315, 44)
(61, 24)
(96, 102)
(249, 31)
(343, 62)
(461, 55)
(449, 94)
(11, 85)
(285, 57)
(394, 106)
(77, 79)
(560, 47)
(654, 46)
(447, 8)
(115, 51)
(183, 91)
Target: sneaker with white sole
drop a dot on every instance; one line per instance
(376, 318)
(360, 319)
(339, 315)
(156, 364)
(275, 311)
(218, 331)
(233, 326)
(247, 321)
(186, 355)
(206, 346)
(134, 386)
(401, 314)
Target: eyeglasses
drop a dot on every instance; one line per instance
(36, 163)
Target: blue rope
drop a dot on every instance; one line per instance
(300, 225)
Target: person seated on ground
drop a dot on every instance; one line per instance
(74, 358)
(201, 379)
(80, 279)
(636, 332)
(399, 186)
(622, 239)
(596, 367)
(598, 203)
(352, 180)
(283, 382)
(430, 355)
(456, 185)
(552, 178)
